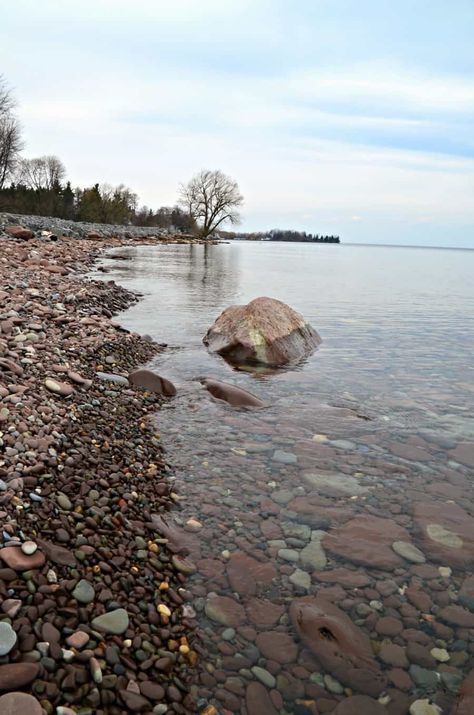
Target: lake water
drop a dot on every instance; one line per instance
(366, 444)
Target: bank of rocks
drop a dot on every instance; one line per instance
(46, 226)
(94, 615)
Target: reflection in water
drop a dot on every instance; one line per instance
(355, 484)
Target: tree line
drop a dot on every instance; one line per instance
(300, 236)
(38, 186)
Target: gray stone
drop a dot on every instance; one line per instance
(288, 555)
(115, 622)
(109, 377)
(284, 457)
(8, 638)
(313, 556)
(409, 552)
(84, 592)
(301, 579)
(423, 678)
(64, 502)
(264, 676)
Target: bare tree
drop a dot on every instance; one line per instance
(10, 133)
(44, 172)
(211, 198)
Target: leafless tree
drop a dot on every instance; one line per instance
(44, 172)
(211, 198)
(10, 133)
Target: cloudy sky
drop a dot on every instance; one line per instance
(352, 117)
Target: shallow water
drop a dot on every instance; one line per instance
(377, 423)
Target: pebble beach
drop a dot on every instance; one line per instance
(94, 615)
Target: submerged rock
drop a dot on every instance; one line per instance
(340, 646)
(446, 532)
(235, 396)
(264, 331)
(368, 540)
(151, 381)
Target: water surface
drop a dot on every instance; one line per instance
(378, 422)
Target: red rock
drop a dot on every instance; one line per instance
(359, 705)
(246, 575)
(264, 614)
(400, 679)
(14, 557)
(258, 701)
(457, 616)
(265, 331)
(225, 610)
(465, 703)
(277, 646)
(235, 396)
(342, 648)
(464, 453)
(367, 540)
(19, 704)
(135, 702)
(408, 451)
(17, 675)
(57, 554)
(19, 232)
(388, 626)
(458, 550)
(148, 380)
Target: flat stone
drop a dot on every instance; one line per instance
(64, 502)
(264, 614)
(389, 626)
(457, 616)
(258, 701)
(19, 704)
(59, 388)
(464, 453)
(11, 606)
(313, 556)
(300, 579)
(277, 646)
(345, 577)
(84, 592)
(16, 559)
(247, 575)
(8, 638)
(409, 552)
(445, 532)
(110, 377)
(367, 540)
(57, 554)
(115, 622)
(17, 675)
(284, 457)
(328, 482)
(224, 610)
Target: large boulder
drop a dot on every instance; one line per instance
(264, 331)
(235, 396)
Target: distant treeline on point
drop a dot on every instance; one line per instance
(277, 234)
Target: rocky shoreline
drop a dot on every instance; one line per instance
(47, 226)
(94, 615)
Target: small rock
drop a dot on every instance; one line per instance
(84, 592)
(115, 622)
(409, 552)
(264, 676)
(19, 704)
(424, 707)
(440, 654)
(8, 638)
(29, 547)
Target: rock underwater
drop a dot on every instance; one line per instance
(265, 331)
(342, 648)
(235, 396)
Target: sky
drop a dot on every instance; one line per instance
(347, 117)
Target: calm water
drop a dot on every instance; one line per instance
(370, 425)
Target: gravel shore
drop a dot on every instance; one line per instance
(94, 615)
